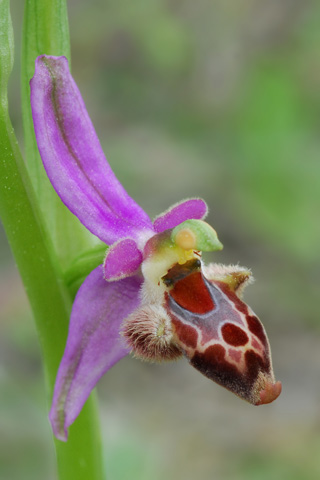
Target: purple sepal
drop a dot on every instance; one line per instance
(195, 208)
(122, 260)
(73, 158)
(94, 344)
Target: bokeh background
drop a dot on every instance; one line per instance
(218, 99)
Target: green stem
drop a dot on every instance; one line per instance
(80, 457)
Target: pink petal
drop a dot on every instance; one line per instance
(94, 344)
(195, 208)
(122, 259)
(73, 158)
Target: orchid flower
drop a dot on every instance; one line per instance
(153, 296)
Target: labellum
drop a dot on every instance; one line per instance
(196, 311)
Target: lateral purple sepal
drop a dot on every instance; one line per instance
(94, 344)
(194, 208)
(73, 158)
(122, 260)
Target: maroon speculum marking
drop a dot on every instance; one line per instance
(192, 294)
(234, 335)
(256, 328)
(221, 339)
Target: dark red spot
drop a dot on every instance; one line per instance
(234, 335)
(192, 294)
(256, 328)
(215, 354)
(185, 333)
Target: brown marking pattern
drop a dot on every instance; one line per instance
(255, 364)
(186, 334)
(256, 328)
(234, 335)
(215, 354)
(232, 368)
(192, 294)
(212, 364)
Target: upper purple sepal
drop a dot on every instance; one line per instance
(194, 208)
(73, 158)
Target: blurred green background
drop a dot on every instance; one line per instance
(218, 99)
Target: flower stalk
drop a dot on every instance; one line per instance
(35, 257)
